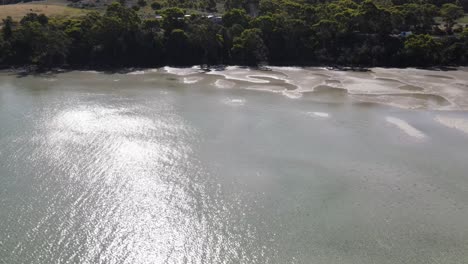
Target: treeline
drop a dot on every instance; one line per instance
(285, 33)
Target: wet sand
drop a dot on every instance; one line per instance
(405, 88)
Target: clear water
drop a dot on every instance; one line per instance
(156, 167)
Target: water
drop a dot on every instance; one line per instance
(287, 166)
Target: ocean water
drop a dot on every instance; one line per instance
(291, 165)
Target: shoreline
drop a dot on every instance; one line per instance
(34, 69)
(408, 88)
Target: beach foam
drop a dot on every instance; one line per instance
(183, 71)
(405, 127)
(453, 122)
(292, 94)
(267, 88)
(247, 75)
(320, 114)
(234, 101)
(190, 80)
(136, 73)
(224, 84)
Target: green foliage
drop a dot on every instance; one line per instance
(156, 5)
(414, 17)
(269, 7)
(235, 16)
(178, 47)
(127, 17)
(250, 48)
(450, 13)
(371, 19)
(422, 49)
(151, 25)
(235, 4)
(7, 29)
(4, 50)
(265, 23)
(207, 41)
(286, 32)
(33, 17)
(41, 44)
(173, 19)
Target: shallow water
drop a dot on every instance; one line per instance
(235, 166)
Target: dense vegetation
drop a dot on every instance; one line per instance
(281, 32)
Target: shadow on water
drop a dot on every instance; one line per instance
(38, 72)
(31, 72)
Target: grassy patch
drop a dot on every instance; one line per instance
(18, 11)
(51, 2)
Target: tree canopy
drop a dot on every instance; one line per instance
(282, 32)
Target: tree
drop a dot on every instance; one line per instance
(84, 39)
(206, 40)
(249, 48)
(273, 29)
(128, 17)
(418, 18)
(234, 4)
(298, 32)
(33, 17)
(115, 35)
(325, 39)
(5, 50)
(450, 13)
(151, 25)
(156, 5)
(178, 47)
(173, 19)
(7, 30)
(42, 44)
(372, 19)
(236, 16)
(211, 6)
(268, 7)
(151, 44)
(421, 49)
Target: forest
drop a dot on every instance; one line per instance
(368, 33)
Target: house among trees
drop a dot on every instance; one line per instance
(405, 34)
(215, 19)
